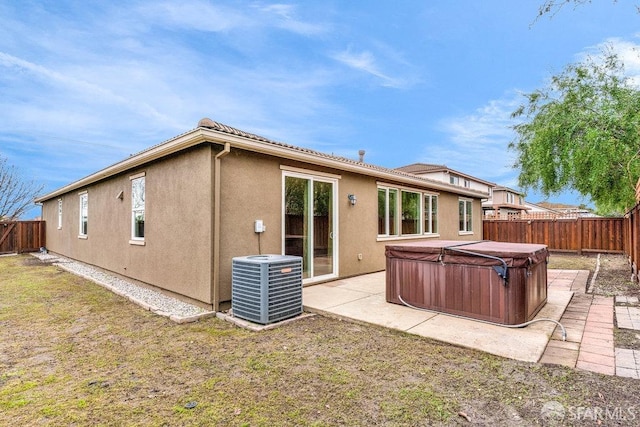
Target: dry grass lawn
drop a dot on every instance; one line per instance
(72, 353)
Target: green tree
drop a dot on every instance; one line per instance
(552, 7)
(582, 132)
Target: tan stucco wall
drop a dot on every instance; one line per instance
(176, 255)
(252, 189)
(178, 252)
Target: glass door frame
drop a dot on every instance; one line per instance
(311, 177)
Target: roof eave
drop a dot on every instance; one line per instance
(203, 135)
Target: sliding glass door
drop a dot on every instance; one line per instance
(309, 223)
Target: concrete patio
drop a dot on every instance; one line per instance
(362, 298)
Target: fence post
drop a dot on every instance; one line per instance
(580, 237)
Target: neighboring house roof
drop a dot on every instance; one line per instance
(562, 207)
(211, 131)
(536, 207)
(420, 168)
(502, 188)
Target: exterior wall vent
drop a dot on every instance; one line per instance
(266, 288)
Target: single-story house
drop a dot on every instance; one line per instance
(173, 216)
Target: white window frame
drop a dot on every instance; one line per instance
(422, 232)
(59, 214)
(137, 240)
(387, 209)
(454, 180)
(428, 213)
(467, 183)
(314, 176)
(83, 216)
(467, 219)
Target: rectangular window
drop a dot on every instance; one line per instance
(406, 212)
(467, 183)
(410, 212)
(84, 214)
(465, 209)
(387, 211)
(430, 214)
(59, 214)
(137, 207)
(455, 180)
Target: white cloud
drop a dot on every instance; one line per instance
(627, 51)
(194, 15)
(477, 142)
(366, 62)
(286, 18)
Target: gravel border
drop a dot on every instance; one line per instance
(154, 301)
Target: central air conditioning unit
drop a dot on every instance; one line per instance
(266, 288)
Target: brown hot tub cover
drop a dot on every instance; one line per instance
(493, 281)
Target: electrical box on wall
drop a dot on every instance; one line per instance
(259, 226)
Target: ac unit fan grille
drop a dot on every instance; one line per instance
(266, 291)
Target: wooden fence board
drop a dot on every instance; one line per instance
(568, 235)
(21, 236)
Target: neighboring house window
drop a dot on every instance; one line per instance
(455, 180)
(465, 208)
(387, 211)
(467, 183)
(59, 214)
(403, 212)
(137, 207)
(510, 198)
(84, 214)
(430, 214)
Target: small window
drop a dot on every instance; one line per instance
(59, 214)
(455, 180)
(430, 214)
(467, 183)
(387, 211)
(137, 208)
(84, 214)
(465, 209)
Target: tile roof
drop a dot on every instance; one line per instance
(211, 124)
(178, 143)
(422, 167)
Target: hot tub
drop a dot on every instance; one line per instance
(497, 282)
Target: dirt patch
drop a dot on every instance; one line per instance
(627, 338)
(565, 261)
(73, 353)
(614, 277)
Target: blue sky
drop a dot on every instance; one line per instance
(85, 84)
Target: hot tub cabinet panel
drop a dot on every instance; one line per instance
(436, 275)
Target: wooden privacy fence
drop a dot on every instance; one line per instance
(569, 235)
(632, 238)
(21, 236)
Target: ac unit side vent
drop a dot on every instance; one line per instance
(266, 288)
